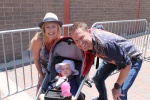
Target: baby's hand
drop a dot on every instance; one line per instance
(73, 98)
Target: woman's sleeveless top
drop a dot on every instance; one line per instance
(44, 56)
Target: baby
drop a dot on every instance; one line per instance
(66, 69)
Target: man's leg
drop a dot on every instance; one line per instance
(101, 74)
(136, 66)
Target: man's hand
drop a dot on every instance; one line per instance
(116, 94)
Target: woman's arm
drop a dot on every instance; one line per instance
(36, 47)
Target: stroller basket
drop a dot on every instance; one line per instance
(55, 95)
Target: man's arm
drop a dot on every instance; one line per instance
(122, 76)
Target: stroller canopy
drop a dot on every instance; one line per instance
(65, 48)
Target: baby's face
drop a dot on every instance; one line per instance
(66, 70)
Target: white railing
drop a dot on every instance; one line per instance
(148, 44)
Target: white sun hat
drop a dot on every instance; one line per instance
(50, 17)
(64, 62)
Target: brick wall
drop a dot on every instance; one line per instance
(92, 11)
(17, 14)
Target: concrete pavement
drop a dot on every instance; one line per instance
(139, 91)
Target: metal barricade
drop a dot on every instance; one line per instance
(148, 45)
(17, 70)
(14, 74)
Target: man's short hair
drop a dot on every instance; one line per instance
(78, 25)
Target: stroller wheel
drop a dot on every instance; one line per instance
(81, 96)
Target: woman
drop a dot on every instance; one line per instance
(43, 41)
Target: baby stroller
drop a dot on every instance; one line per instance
(65, 48)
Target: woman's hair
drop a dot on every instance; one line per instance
(42, 35)
(78, 25)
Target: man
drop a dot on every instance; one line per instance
(116, 52)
